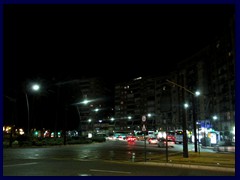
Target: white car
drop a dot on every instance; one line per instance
(121, 138)
(152, 140)
(112, 138)
(163, 142)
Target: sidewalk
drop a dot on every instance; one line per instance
(202, 160)
(213, 168)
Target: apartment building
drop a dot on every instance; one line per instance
(211, 71)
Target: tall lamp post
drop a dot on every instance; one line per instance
(185, 138)
(197, 93)
(34, 87)
(59, 85)
(79, 114)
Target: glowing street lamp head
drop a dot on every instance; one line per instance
(96, 110)
(186, 105)
(197, 93)
(215, 117)
(85, 102)
(35, 87)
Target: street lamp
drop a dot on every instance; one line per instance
(114, 122)
(149, 115)
(62, 84)
(89, 127)
(197, 93)
(34, 88)
(215, 117)
(85, 102)
(96, 116)
(96, 110)
(129, 118)
(185, 138)
(112, 119)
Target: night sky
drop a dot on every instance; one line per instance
(55, 43)
(116, 42)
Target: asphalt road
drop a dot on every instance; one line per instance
(97, 159)
(71, 167)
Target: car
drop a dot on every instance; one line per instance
(121, 138)
(112, 138)
(171, 137)
(140, 138)
(131, 138)
(162, 143)
(152, 140)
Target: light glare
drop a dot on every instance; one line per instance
(35, 87)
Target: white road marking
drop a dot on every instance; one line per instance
(84, 175)
(98, 170)
(24, 164)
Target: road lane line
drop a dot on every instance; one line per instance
(24, 164)
(98, 170)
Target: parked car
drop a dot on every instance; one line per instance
(162, 143)
(152, 140)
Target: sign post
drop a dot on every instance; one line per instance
(144, 129)
(166, 143)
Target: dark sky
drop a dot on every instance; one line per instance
(65, 42)
(71, 41)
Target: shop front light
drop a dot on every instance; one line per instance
(233, 130)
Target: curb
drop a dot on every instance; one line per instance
(207, 147)
(190, 166)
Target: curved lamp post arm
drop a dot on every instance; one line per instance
(180, 86)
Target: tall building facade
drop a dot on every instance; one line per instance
(211, 71)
